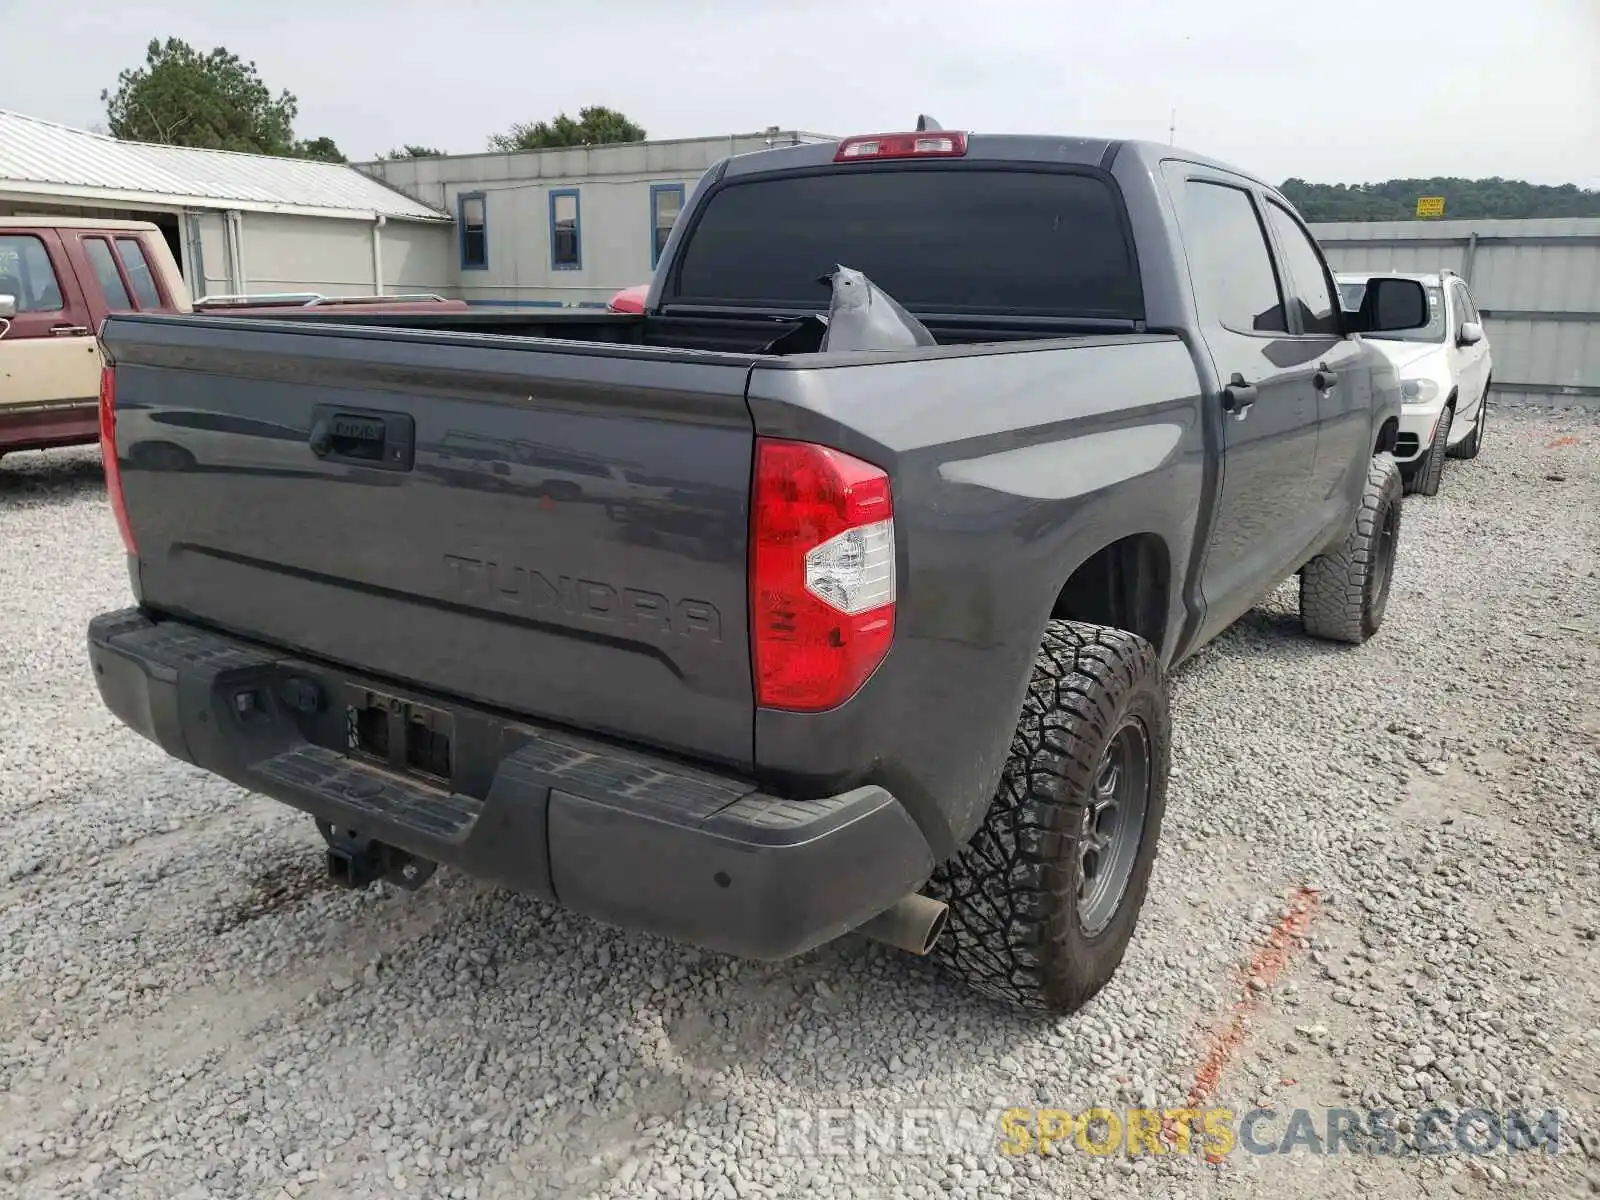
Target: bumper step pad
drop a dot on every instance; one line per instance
(369, 790)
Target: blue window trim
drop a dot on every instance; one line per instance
(577, 228)
(461, 223)
(656, 189)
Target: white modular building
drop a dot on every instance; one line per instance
(545, 228)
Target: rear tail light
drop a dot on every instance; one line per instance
(822, 574)
(936, 144)
(108, 454)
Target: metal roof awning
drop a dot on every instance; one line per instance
(40, 158)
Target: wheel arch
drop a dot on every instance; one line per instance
(1387, 433)
(1126, 584)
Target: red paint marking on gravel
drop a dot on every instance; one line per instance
(1260, 973)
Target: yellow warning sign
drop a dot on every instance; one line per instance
(1430, 206)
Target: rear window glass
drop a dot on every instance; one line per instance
(956, 241)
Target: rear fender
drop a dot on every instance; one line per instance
(1011, 465)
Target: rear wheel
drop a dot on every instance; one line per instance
(1345, 592)
(1469, 446)
(1433, 463)
(1044, 899)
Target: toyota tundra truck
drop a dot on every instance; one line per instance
(805, 642)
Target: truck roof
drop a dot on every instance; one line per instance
(52, 221)
(997, 147)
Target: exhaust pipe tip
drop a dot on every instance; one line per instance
(913, 923)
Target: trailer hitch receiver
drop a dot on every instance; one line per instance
(357, 861)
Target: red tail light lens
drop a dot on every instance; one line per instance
(822, 574)
(108, 454)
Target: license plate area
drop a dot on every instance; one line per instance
(403, 736)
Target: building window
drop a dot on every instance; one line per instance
(566, 240)
(666, 202)
(472, 214)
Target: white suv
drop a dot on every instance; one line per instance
(1444, 370)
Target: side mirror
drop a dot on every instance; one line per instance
(1392, 305)
(8, 306)
(1471, 334)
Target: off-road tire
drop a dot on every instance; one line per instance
(1345, 592)
(1469, 446)
(1432, 470)
(1014, 929)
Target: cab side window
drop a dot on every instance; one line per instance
(1229, 259)
(26, 274)
(1319, 313)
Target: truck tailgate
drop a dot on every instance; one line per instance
(550, 528)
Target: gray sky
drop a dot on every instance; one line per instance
(1347, 91)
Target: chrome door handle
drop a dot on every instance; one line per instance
(69, 331)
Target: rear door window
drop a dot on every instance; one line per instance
(140, 276)
(939, 240)
(26, 274)
(105, 270)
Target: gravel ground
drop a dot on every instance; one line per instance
(188, 1010)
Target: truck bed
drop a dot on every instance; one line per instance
(736, 331)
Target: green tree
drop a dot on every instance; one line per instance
(323, 149)
(1470, 199)
(410, 151)
(214, 101)
(595, 126)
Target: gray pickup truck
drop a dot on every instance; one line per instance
(673, 621)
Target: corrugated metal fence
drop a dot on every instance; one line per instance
(1537, 284)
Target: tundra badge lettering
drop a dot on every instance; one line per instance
(520, 589)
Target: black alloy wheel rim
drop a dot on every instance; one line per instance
(1113, 826)
(1383, 561)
